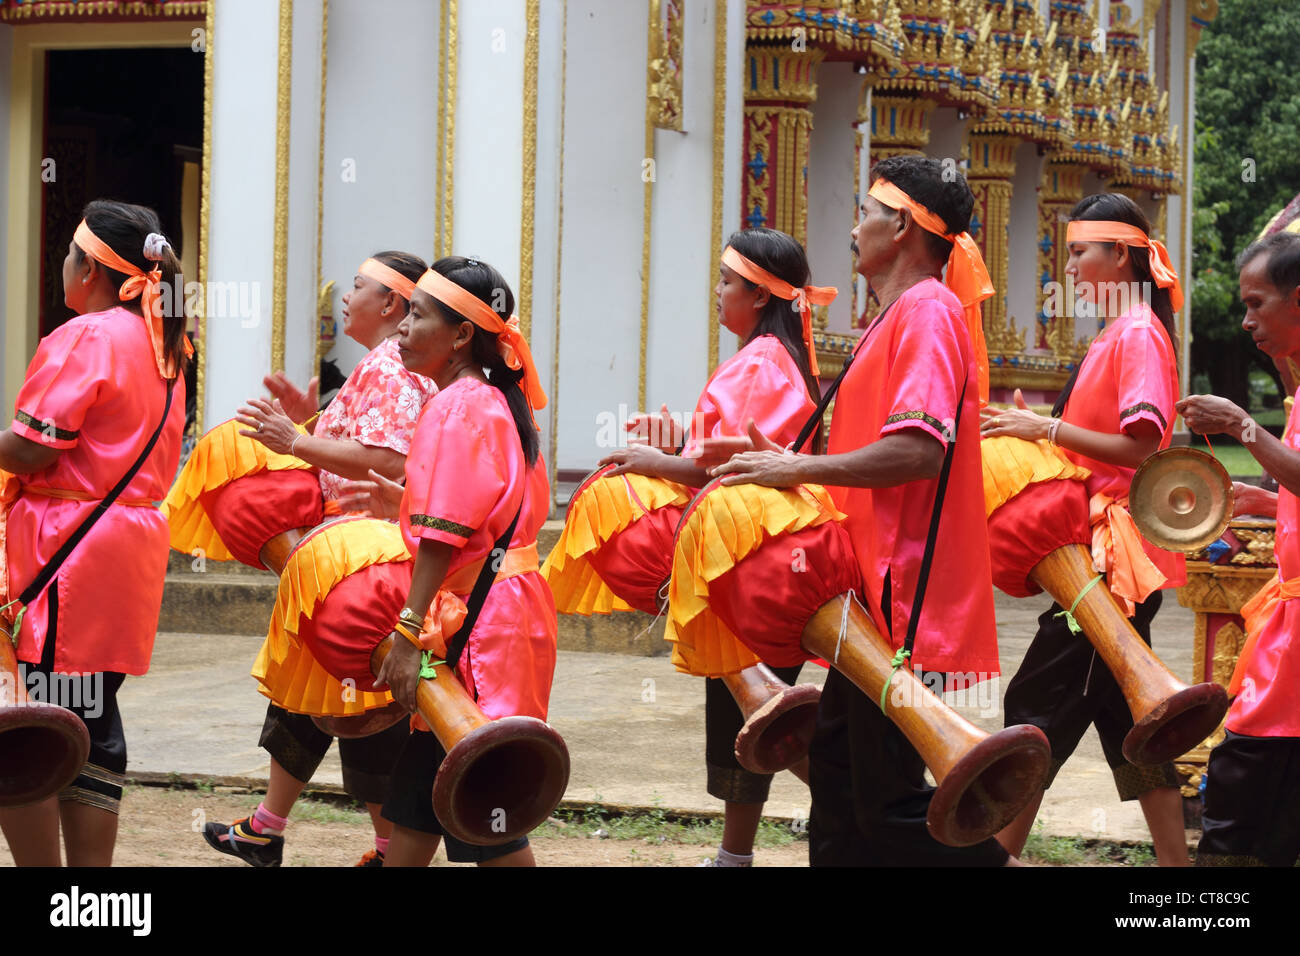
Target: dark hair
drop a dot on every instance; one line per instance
(123, 227)
(404, 264)
(782, 256)
(940, 188)
(485, 283)
(1283, 250)
(1119, 208)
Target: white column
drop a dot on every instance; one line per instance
(734, 144)
(603, 222)
(380, 189)
(301, 325)
(832, 176)
(488, 154)
(683, 264)
(1023, 280)
(241, 253)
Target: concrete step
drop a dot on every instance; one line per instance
(226, 597)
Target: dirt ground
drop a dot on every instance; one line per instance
(161, 827)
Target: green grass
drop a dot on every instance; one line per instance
(1083, 851)
(319, 811)
(655, 826)
(1237, 460)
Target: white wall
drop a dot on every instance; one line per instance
(947, 134)
(733, 164)
(382, 122)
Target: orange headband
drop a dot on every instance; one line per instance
(967, 276)
(388, 277)
(138, 283)
(1105, 230)
(804, 298)
(512, 344)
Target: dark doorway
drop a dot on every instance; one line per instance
(119, 124)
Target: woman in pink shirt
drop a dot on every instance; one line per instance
(1117, 410)
(367, 428)
(94, 395)
(770, 382)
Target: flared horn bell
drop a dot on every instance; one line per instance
(500, 778)
(42, 746)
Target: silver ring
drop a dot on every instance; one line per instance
(259, 426)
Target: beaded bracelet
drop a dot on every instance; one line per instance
(1052, 427)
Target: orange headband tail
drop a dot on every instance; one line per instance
(1162, 267)
(512, 344)
(804, 297)
(966, 274)
(388, 277)
(138, 283)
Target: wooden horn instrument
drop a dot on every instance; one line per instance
(1169, 717)
(1037, 534)
(42, 746)
(983, 779)
(779, 721)
(501, 778)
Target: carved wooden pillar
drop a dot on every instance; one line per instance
(1060, 190)
(781, 83)
(900, 125)
(992, 164)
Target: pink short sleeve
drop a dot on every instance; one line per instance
(453, 477)
(926, 376)
(1146, 389)
(71, 365)
(760, 382)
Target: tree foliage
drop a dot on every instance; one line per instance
(1246, 167)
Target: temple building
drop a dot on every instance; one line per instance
(598, 152)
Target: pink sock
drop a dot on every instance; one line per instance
(381, 844)
(264, 821)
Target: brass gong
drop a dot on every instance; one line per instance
(1181, 499)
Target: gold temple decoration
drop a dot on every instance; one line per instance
(666, 40)
(62, 11)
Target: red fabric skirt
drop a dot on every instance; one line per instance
(250, 511)
(1045, 516)
(354, 617)
(768, 597)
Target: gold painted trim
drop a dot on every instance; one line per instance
(205, 221)
(320, 179)
(280, 273)
(447, 135)
(526, 226)
(647, 208)
(719, 158)
(87, 11)
(559, 257)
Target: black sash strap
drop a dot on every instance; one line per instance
(486, 575)
(932, 538)
(815, 420)
(51, 568)
(1064, 397)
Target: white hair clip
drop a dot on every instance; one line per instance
(154, 246)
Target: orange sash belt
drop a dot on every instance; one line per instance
(448, 611)
(72, 495)
(1256, 613)
(1117, 552)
